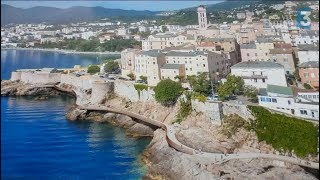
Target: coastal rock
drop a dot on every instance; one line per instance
(75, 114)
(140, 130)
(18, 88)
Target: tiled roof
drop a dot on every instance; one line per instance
(248, 46)
(171, 66)
(280, 51)
(181, 53)
(310, 64)
(153, 53)
(257, 64)
(279, 90)
(308, 47)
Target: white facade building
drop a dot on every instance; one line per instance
(285, 100)
(260, 73)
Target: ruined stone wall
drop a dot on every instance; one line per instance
(240, 109)
(212, 110)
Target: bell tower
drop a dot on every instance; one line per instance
(202, 18)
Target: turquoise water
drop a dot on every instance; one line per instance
(37, 142)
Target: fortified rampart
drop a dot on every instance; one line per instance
(36, 77)
(127, 90)
(79, 82)
(100, 90)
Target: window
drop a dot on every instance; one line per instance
(185, 62)
(312, 75)
(255, 80)
(274, 100)
(289, 102)
(268, 99)
(154, 62)
(303, 112)
(263, 80)
(186, 68)
(256, 54)
(204, 65)
(248, 54)
(262, 99)
(190, 69)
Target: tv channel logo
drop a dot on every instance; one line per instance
(303, 18)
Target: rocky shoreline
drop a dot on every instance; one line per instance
(165, 162)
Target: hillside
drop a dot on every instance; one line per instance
(10, 14)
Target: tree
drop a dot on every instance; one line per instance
(200, 84)
(131, 76)
(167, 92)
(111, 66)
(164, 28)
(251, 92)
(143, 78)
(307, 86)
(233, 85)
(296, 75)
(93, 69)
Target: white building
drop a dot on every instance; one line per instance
(307, 37)
(307, 52)
(291, 101)
(260, 73)
(148, 63)
(199, 61)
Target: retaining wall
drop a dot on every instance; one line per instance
(212, 110)
(127, 90)
(240, 109)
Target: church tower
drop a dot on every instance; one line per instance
(202, 18)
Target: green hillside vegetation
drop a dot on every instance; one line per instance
(285, 133)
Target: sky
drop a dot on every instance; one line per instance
(127, 5)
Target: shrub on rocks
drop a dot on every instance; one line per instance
(167, 92)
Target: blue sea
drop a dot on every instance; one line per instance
(38, 142)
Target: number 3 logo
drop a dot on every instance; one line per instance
(306, 17)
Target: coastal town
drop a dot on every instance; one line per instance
(190, 80)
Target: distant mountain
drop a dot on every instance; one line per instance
(230, 4)
(10, 14)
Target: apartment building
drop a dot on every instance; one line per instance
(127, 62)
(161, 41)
(173, 71)
(309, 73)
(260, 73)
(299, 103)
(307, 37)
(148, 63)
(284, 57)
(249, 52)
(199, 61)
(308, 52)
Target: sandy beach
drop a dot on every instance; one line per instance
(64, 51)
